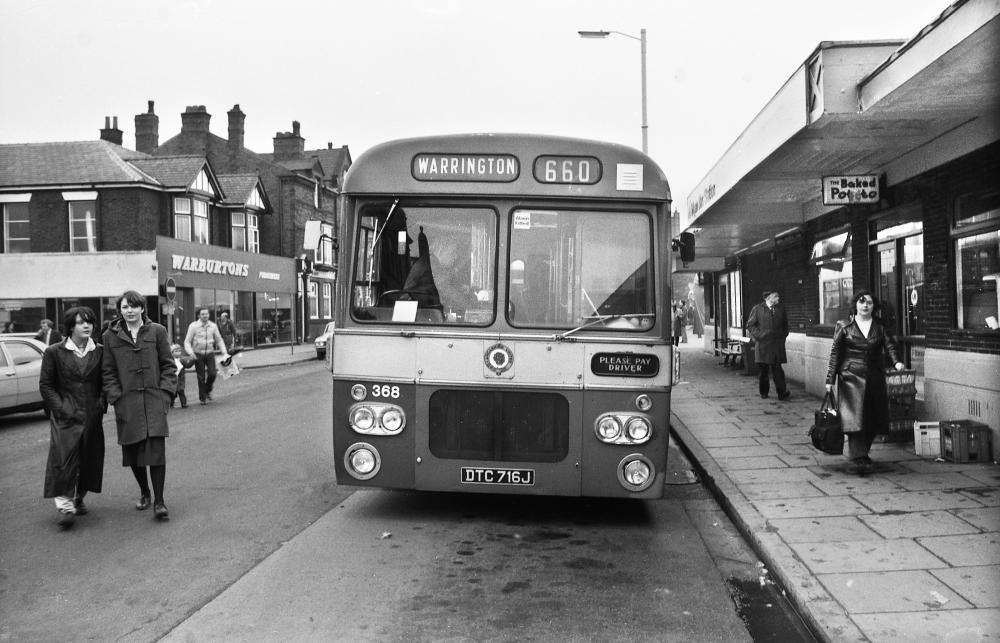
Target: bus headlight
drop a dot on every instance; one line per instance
(376, 418)
(362, 419)
(392, 420)
(638, 429)
(623, 427)
(636, 473)
(608, 428)
(362, 461)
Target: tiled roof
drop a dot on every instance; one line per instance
(237, 187)
(69, 163)
(172, 171)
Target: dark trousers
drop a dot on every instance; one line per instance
(779, 378)
(204, 366)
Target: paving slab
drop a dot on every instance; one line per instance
(960, 626)
(918, 501)
(822, 529)
(980, 585)
(867, 556)
(965, 550)
(809, 507)
(907, 591)
(985, 518)
(916, 525)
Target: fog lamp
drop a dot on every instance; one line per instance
(362, 461)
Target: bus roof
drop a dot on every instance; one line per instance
(506, 164)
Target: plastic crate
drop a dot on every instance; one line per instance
(901, 382)
(927, 439)
(965, 441)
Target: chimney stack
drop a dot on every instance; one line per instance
(147, 131)
(236, 128)
(289, 145)
(194, 129)
(111, 133)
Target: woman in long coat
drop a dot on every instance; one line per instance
(857, 360)
(140, 378)
(70, 384)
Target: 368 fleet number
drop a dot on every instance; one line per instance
(385, 390)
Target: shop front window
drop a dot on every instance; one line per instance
(274, 318)
(832, 257)
(977, 260)
(898, 255)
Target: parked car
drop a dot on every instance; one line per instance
(20, 365)
(323, 340)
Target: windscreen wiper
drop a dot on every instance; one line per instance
(597, 319)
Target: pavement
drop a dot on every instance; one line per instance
(909, 552)
(282, 355)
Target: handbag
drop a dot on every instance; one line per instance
(826, 433)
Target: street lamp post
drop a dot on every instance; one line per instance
(642, 42)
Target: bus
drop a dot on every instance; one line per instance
(503, 318)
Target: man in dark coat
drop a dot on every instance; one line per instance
(768, 326)
(47, 334)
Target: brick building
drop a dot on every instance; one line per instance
(84, 221)
(302, 185)
(875, 166)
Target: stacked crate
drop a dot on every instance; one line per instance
(965, 441)
(902, 389)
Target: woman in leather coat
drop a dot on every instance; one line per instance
(857, 365)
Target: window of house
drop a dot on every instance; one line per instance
(238, 225)
(16, 228)
(199, 230)
(832, 257)
(253, 234)
(182, 219)
(313, 304)
(326, 301)
(82, 226)
(976, 235)
(324, 251)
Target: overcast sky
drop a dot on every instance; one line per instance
(361, 72)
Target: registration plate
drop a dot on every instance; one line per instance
(488, 475)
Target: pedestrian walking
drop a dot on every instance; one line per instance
(677, 322)
(857, 372)
(183, 364)
(767, 324)
(47, 334)
(201, 342)
(71, 387)
(140, 378)
(227, 329)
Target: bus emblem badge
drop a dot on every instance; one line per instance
(499, 358)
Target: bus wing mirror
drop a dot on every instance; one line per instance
(685, 245)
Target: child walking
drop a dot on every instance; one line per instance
(184, 364)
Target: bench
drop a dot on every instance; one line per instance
(731, 349)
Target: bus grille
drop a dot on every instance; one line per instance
(499, 426)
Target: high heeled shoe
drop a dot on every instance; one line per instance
(143, 503)
(160, 511)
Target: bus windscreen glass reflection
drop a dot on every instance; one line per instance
(425, 265)
(580, 269)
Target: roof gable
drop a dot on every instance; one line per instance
(182, 172)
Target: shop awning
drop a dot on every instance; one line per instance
(881, 108)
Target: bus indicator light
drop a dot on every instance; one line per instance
(358, 392)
